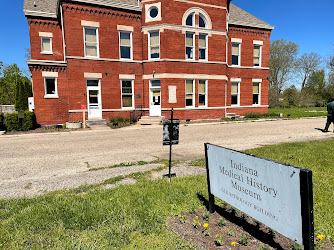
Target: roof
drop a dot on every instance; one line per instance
(49, 8)
(45, 8)
(240, 17)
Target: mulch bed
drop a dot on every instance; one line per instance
(41, 130)
(236, 225)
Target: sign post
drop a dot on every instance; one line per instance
(83, 107)
(170, 137)
(276, 194)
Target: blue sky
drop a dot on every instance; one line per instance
(308, 23)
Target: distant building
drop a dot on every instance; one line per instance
(203, 58)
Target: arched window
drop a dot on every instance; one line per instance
(190, 20)
(202, 21)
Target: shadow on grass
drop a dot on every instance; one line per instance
(241, 221)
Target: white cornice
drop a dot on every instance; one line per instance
(47, 63)
(39, 13)
(112, 4)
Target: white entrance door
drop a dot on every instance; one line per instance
(94, 105)
(155, 98)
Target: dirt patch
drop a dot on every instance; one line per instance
(237, 226)
(41, 130)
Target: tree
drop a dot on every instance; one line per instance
(316, 84)
(291, 97)
(282, 60)
(306, 65)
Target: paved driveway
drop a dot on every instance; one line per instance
(30, 159)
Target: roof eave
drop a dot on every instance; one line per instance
(113, 4)
(39, 14)
(254, 25)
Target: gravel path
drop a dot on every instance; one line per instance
(32, 164)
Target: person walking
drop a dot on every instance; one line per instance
(330, 115)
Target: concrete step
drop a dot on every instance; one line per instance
(232, 115)
(150, 120)
(96, 122)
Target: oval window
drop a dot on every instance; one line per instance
(154, 12)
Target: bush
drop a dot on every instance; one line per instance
(253, 115)
(2, 122)
(12, 121)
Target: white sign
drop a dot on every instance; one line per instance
(266, 190)
(172, 94)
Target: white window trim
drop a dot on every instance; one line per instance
(238, 99)
(194, 47)
(132, 94)
(260, 57)
(148, 7)
(206, 94)
(239, 56)
(206, 47)
(55, 95)
(46, 52)
(149, 45)
(97, 41)
(131, 45)
(259, 81)
(193, 93)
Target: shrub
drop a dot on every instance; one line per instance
(253, 115)
(120, 120)
(12, 121)
(2, 122)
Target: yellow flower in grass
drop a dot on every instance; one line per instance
(196, 217)
(233, 243)
(179, 215)
(217, 235)
(320, 236)
(205, 225)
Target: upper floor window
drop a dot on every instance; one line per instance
(154, 45)
(91, 42)
(125, 45)
(190, 45)
(257, 55)
(46, 42)
(202, 21)
(46, 45)
(202, 47)
(190, 20)
(235, 53)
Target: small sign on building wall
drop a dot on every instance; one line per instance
(172, 94)
(274, 193)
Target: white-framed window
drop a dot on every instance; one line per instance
(236, 53)
(127, 93)
(154, 44)
(203, 47)
(50, 87)
(202, 93)
(202, 23)
(256, 93)
(46, 45)
(190, 21)
(91, 42)
(153, 12)
(190, 93)
(125, 45)
(257, 55)
(235, 95)
(190, 46)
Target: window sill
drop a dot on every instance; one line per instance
(127, 108)
(97, 57)
(51, 96)
(46, 53)
(126, 59)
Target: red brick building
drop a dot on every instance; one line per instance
(203, 58)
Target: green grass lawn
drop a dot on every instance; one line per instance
(300, 112)
(134, 216)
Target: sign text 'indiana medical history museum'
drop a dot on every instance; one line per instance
(268, 191)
